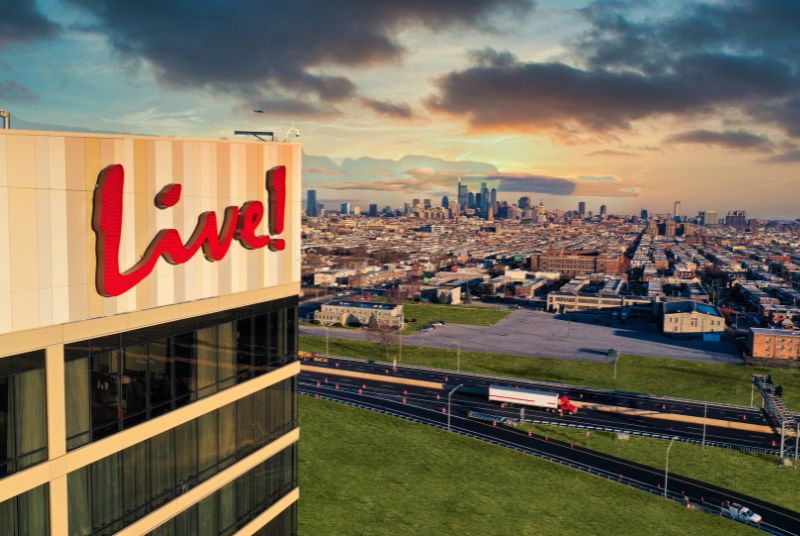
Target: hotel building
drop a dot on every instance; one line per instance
(148, 333)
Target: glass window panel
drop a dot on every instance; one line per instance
(260, 350)
(105, 392)
(79, 500)
(207, 361)
(8, 515)
(244, 348)
(135, 491)
(186, 456)
(227, 354)
(134, 385)
(207, 516)
(31, 415)
(291, 332)
(227, 509)
(162, 468)
(244, 425)
(33, 510)
(260, 430)
(76, 376)
(7, 449)
(206, 444)
(160, 377)
(227, 434)
(106, 503)
(244, 495)
(183, 348)
(186, 523)
(277, 336)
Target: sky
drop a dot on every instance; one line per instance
(632, 104)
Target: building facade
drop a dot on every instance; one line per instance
(351, 312)
(690, 317)
(148, 334)
(783, 344)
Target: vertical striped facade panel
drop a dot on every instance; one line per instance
(47, 181)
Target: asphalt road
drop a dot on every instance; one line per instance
(424, 408)
(587, 418)
(573, 336)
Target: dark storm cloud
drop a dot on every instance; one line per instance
(21, 21)
(399, 110)
(274, 45)
(733, 139)
(707, 59)
(14, 91)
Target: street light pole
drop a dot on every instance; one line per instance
(449, 400)
(666, 466)
(705, 413)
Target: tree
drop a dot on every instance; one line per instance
(382, 335)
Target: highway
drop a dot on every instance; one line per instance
(429, 406)
(662, 417)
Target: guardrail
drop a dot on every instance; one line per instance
(705, 506)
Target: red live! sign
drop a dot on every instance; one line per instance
(239, 223)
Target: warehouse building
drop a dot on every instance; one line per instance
(352, 312)
(689, 317)
(148, 334)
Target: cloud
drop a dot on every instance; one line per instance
(701, 60)
(274, 48)
(612, 153)
(14, 91)
(731, 139)
(21, 21)
(390, 109)
(787, 157)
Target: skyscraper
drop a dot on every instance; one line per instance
(493, 199)
(445, 202)
(344, 208)
(427, 203)
(603, 210)
(312, 209)
(676, 211)
(373, 210)
(524, 202)
(470, 200)
(484, 204)
(712, 218)
(582, 208)
(736, 218)
(644, 214)
(463, 193)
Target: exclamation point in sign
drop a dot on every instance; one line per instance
(276, 186)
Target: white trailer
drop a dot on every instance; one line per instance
(525, 397)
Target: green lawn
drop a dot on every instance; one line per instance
(363, 473)
(668, 377)
(425, 313)
(750, 474)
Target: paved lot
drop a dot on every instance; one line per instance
(541, 334)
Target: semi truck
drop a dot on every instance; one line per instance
(548, 400)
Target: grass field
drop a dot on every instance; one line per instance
(425, 313)
(668, 377)
(750, 474)
(363, 473)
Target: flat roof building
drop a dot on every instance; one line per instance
(351, 312)
(685, 316)
(148, 334)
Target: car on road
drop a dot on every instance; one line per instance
(743, 513)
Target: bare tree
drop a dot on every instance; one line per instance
(382, 335)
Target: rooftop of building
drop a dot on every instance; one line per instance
(364, 305)
(688, 306)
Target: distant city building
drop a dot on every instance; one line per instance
(463, 194)
(406, 208)
(344, 208)
(415, 203)
(736, 218)
(676, 210)
(603, 210)
(711, 217)
(445, 202)
(582, 208)
(312, 209)
(427, 203)
(493, 199)
(470, 200)
(524, 202)
(644, 214)
(373, 210)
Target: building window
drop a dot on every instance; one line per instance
(116, 382)
(239, 502)
(27, 514)
(23, 412)
(114, 492)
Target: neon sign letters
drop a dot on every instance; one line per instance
(238, 223)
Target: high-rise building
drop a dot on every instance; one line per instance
(493, 199)
(463, 193)
(582, 208)
(524, 202)
(603, 210)
(427, 204)
(676, 211)
(736, 218)
(406, 208)
(344, 208)
(311, 204)
(478, 201)
(711, 217)
(445, 202)
(373, 210)
(415, 203)
(483, 206)
(141, 397)
(644, 214)
(357, 211)
(470, 200)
